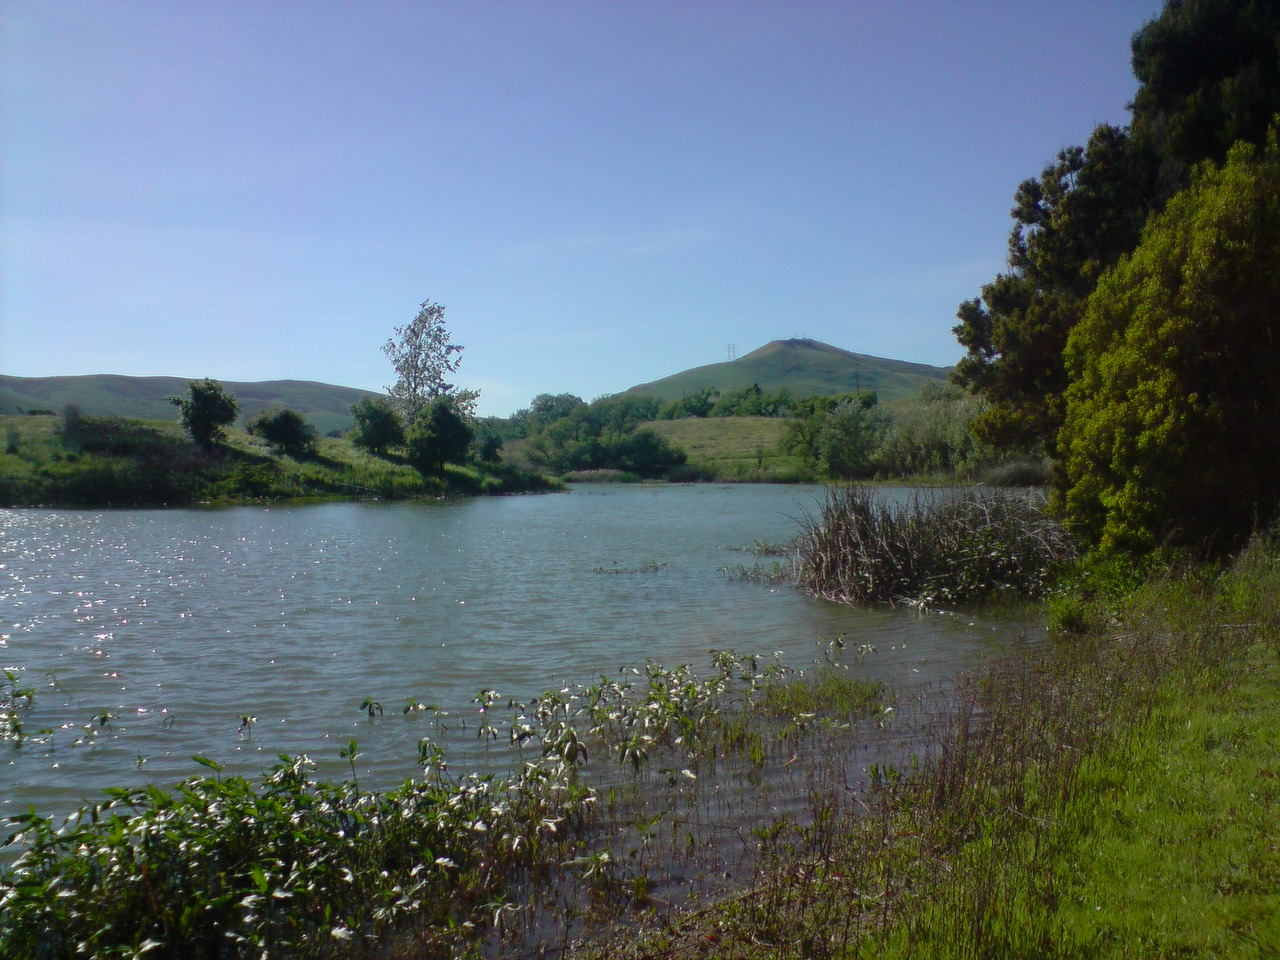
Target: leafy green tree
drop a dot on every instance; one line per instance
(1172, 427)
(1209, 76)
(848, 438)
(378, 427)
(207, 410)
(808, 417)
(285, 430)
(438, 436)
(932, 434)
(752, 401)
(1071, 223)
(423, 356)
(692, 405)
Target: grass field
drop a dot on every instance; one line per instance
(735, 448)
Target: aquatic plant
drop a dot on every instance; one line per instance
(942, 549)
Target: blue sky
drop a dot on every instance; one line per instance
(600, 193)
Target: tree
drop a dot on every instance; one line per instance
(423, 357)
(438, 436)
(1071, 223)
(206, 410)
(1172, 427)
(1209, 77)
(847, 439)
(285, 430)
(378, 426)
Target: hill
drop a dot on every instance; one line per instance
(806, 368)
(325, 406)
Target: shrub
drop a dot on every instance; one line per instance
(285, 430)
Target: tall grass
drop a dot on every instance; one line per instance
(943, 548)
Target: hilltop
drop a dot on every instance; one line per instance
(803, 367)
(325, 406)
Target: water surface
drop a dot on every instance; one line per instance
(150, 635)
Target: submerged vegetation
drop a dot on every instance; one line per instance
(610, 782)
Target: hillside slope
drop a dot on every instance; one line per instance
(806, 368)
(326, 406)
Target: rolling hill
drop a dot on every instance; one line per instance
(806, 368)
(325, 406)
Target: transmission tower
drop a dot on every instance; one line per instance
(733, 351)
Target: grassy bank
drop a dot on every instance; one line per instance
(1115, 796)
(111, 461)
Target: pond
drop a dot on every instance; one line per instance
(243, 633)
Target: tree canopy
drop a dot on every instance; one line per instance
(439, 435)
(1172, 423)
(377, 425)
(285, 430)
(206, 410)
(423, 355)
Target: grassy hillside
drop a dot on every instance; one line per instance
(111, 461)
(806, 368)
(325, 406)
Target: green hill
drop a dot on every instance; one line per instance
(325, 406)
(806, 368)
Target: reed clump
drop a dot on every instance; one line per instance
(945, 548)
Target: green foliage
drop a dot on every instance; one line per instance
(378, 427)
(751, 401)
(604, 435)
(438, 436)
(933, 435)
(848, 438)
(423, 356)
(285, 430)
(1209, 77)
(1070, 224)
(206, 410)
(697, 404)
(1172, 434)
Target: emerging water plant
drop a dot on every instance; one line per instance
(290, 865)
(944, 549)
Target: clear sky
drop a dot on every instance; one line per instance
(600, 193)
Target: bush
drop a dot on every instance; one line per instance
(285, 430)
(378, 426)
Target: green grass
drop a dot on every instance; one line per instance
(735, 448)
(1114, 796)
